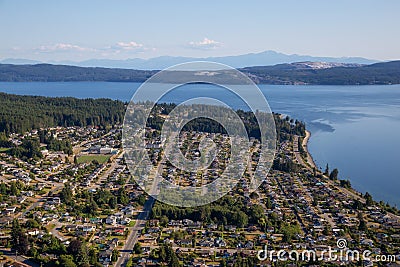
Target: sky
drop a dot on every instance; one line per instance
(77, 30)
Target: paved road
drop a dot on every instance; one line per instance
(134, 232)
(141, 219)
(296, 152)
(54, 231)
(306, 165)
(104, 176)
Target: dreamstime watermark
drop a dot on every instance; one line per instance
(187, 192)
(341, 253)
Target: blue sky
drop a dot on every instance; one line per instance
(120, 29)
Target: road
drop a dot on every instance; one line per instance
(54, 231)
(104, 176)
(141, 219)
(39, 201)
(134, 232)
(296, 151)
(307, 165)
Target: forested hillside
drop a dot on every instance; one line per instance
(23, 113)
(295, 73)
(379, 73)
(64, 73)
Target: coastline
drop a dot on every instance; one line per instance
(352, 192)
(310, 159)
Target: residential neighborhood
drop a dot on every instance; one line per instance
(83, 199)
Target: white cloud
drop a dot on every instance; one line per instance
(63, 47)
(124, 48)
(129, 46)
(205, 44)
(119, 49)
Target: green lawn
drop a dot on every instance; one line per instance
(89, 158)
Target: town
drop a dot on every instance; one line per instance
(67, 198)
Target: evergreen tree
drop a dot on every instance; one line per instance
(115, 255)
(368, 199)
(334, 175)
(326, 172)
(67, 261)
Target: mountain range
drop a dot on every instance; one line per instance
(266, 58)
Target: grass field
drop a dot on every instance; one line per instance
(89, 158)
(4, 149)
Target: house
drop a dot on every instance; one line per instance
(56, 201)
(105, 256)
(205, 253)
(33, 232)
(105, 150)
(174, 223)
(29, 194)
(153, 230)
(205, 243)
(119, 231)
(129, 211)
(96, 220)
(49, 207)
(153, 222)
(167, 241)
(150, 241)
(10, 210)
(231, 228)
(219, 242)
(185, 242)
(125, 220)
(367, 242)
(212, 226)
(190, 223)
(252, 228)
(40, 186)
(249, 245)
(21, 199)
(111, 220)
(86, 228)
(113, 243)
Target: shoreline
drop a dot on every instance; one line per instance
(310, 159)
(349, 191)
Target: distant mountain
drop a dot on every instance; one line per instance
(19, 61)
(294, 73)
(266, 58)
